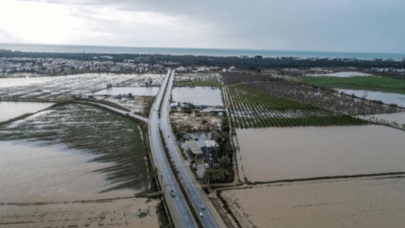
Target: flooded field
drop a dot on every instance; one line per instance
(74, 166)
(130, 212)
(343, 74)
(114, 142)
(271, 154)
(62, 87)
(394, 119)
(387, 98)
(9, 110)
(22, 81)
(198, 96)
(135, 91)
(33, 173)
(361, 202)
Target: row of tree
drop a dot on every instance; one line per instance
(238, 62)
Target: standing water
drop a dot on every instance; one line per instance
(9, 110)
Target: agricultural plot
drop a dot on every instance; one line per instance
(198, 79)
(250, 108)
(199, 82)
(63, 87)
(358, 202)
(325, 99)
(110, 138)
(241, 77)
(383, 84)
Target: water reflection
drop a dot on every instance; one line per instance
(9, 110)
(32, 173)
(303, 152)
(198, 96)
(387, 98)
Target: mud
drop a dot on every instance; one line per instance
(99, 213)
(272, 154)
(189, 122)
(363, 202)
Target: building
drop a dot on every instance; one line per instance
(211, 147)
(193, 147)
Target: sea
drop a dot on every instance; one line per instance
(196, 51)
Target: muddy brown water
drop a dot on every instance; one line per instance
(198, 95)
(358, 202)
(9, 110)
(271, 154)
(30, 173)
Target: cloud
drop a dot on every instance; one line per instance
(344, 25)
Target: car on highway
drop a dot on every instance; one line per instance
(201, 214)
(172, 193)
(202, 207)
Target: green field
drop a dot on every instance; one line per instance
(250, 108)
(113, 139)
(383, 84)
(199, 82)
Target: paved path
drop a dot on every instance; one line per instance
(179, 210)
(211, 218)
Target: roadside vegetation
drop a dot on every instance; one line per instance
(250, 108)
(383, 84)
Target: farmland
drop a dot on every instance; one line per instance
(111, 138)
(199, 82)
(383, 84)
(325, 99)
(357, 202)
(273, 154)
(250, 108)
(65, 87)
(238, 77)
(198, 79)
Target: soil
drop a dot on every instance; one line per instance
(94, 213)
(358, 202)
(194, 121)
(137, 104)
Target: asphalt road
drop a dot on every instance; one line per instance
(193, 192)
(177, 203)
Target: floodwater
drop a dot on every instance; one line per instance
(23, 81)
(198, 95)
(271, 154)
(31, 173)
(387, 98)
(398, 118)
(343, 74)
(62, 87)
(135, 91)
(358, 202)
(9, 110)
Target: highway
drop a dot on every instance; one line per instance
(195, 193)
(179, 210)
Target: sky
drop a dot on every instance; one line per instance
(301, 25)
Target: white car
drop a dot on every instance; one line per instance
(201, 214)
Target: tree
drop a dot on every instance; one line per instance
(224, 161)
